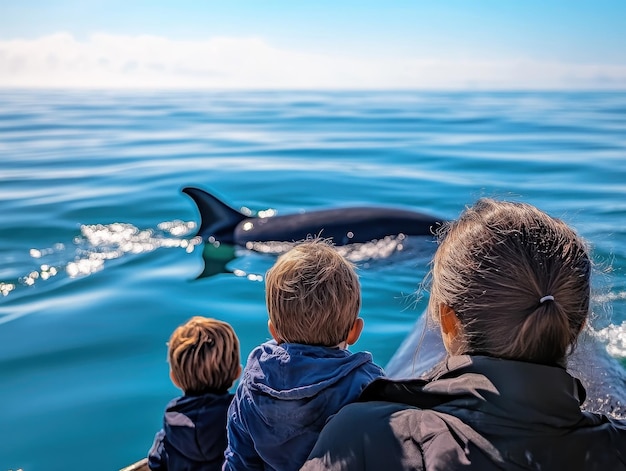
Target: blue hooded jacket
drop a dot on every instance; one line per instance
(286, 394)
(193, 436)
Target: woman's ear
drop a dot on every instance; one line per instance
(450, 328)
(273, 332)
(355, 331)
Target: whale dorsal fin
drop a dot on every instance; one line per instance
(217, 219)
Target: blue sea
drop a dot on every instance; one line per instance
(98, 260)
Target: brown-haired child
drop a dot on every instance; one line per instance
(203, 355)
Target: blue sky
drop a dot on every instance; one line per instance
(496, 44)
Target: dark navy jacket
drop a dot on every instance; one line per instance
(193, 436)
(476, 413)
(286, 394)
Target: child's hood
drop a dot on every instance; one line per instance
(295, 371)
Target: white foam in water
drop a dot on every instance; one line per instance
(6, 288)
(373, 250)
(110, 241)
(614, 336)
(98, 243)
(608, 297)
(101, 242)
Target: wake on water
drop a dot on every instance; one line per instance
(98, 244)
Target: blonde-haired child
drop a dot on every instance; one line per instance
(293, 383)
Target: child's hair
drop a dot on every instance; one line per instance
(203, 354)
(517, 279)
(313, 294)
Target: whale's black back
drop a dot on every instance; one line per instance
(343, 225)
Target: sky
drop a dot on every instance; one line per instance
(322, 44)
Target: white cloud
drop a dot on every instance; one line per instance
(114, 61)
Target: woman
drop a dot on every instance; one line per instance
(510, 292)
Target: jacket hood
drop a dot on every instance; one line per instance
(295, 371)
(285, 397)
(196, 426)
(502, 392)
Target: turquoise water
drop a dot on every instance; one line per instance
(98, 263)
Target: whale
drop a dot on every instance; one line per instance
(220, 223)
(603, 376)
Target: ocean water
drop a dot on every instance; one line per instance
(98, 260)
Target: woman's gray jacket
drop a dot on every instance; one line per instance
(474, 413)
